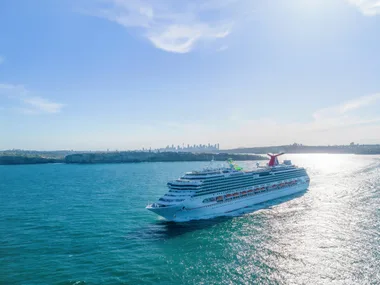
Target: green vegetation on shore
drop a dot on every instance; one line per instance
(20, 159)
(130, 156)
(7, 158)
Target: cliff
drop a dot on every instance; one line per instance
(130, 156)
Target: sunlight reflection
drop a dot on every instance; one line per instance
(318, 232)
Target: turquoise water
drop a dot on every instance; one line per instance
(86, 224)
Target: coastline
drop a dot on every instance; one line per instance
(126, 157)
(17, 156)
(21, 160)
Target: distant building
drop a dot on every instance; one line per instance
(189, 148)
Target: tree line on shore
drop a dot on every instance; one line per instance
(124, 157)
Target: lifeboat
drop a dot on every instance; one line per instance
(244, 193)
(250, 191)
(228, 195)
(236, 194)
(219, 198)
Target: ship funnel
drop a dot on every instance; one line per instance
(273, 158)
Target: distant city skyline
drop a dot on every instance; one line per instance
(208, 148)
(126, 74)
(187, 148)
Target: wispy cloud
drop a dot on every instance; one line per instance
(359, 102)
(345, 107)
(43, 105)
(28, 103)
(342, 123)
(173, 26)
(338, 124)
(367, 7)
(2, 59)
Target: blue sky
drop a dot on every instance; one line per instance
(124, 74)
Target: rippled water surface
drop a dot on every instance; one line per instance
(86, 224)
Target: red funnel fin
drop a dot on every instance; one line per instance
(273, 159)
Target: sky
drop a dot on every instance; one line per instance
(126, 74)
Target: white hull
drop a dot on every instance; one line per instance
(181, 212)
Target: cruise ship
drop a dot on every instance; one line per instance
(215, 192)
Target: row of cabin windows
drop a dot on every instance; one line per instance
(224, 181)
(223, 190)
(183, 185)
(203, 177)
(287, 175)
(210, 179)
(225, 198)
(228, 182)
(276, 178)
(216, 186)
(200, 178)
(279, 176)
(176, 190)
(226, 186)
(233, 188)
(176, 195)
(168, 200)
(258, 181)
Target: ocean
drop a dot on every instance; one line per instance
(87, 224)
